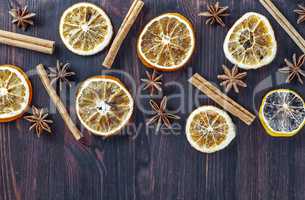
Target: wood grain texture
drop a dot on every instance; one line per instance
(149, 165)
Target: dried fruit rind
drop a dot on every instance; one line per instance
(209, 129)
(167, 42)
(85, 29)
(250, 43)
(104, 105)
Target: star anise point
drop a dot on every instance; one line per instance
(301, 13)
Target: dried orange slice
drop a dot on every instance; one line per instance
(104, 105)
(209, 129)
(167, 42)
(15, 93)
(85, 29)
(250, 43)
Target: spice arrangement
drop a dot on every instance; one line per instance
(57, 102)
(222, 99)
(166, 43)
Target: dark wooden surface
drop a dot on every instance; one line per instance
(149, 165)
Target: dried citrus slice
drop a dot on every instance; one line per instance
(282, 113)
(104, 105)
(15, 93)
(209, 129)
(250, 43)
(167, 42)
(85, 29)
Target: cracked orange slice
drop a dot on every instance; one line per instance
(209, 129)
(15, 93)
(104, 105)
(250, 43)
(167, 42)
(85, 29)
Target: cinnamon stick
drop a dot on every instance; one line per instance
(284, 23)
(58, 103)
(127, 23)
(27, 42)
(132, 7)
(221, 99)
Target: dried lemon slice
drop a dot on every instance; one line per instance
(15, 93)
(209, 129)
(104, 105)
(250, 43)
(282, 113)
(85, 29)
(167, 42)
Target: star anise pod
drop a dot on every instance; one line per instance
(60, 73)
(301, 12)
(232, 78)
(294, 68)
(39, 121)
(22, 17)
(160, 114)
(152, 82)
(215, 13)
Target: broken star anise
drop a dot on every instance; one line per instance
(22, 17)
(301, 12)
(160, 114)
(294, 68)
(215, 13)
(232, 78)
(60, 73)
(152, 82)
(39, 120)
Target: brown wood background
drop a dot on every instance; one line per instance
(149, 165)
